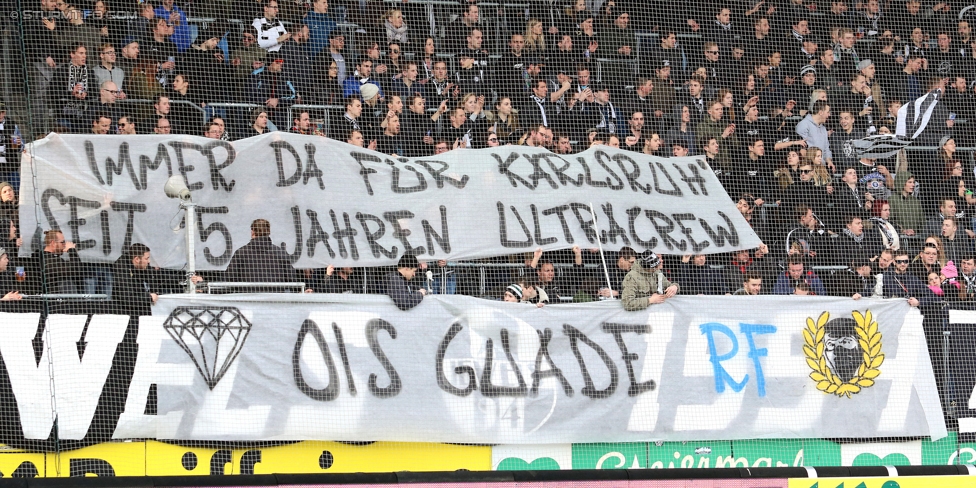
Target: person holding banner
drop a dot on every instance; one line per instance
(398, 286)
(645, 284)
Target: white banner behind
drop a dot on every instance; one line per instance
(332, 203)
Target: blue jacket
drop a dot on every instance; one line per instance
(319, 28)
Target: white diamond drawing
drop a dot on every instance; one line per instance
(212, 337)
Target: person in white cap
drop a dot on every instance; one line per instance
(645, 284)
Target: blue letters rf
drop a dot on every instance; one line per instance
(721, 375)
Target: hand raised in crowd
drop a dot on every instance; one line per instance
(15, 295)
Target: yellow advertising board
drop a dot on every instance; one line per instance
(153, 458)
(879, 482)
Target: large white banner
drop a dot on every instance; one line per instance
(332, 203)
(462, 369)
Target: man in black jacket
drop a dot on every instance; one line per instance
(134, 291)
(60, 275)
(398, 286)
(260, 261)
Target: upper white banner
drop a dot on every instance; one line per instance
(332, 203)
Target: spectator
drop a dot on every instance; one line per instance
(848, 197)
(60, 275)
(328, 91)
(406, 85)
(163, 126)
(625, 261)
(259, 124)
(337, 43)
(160, 50)
(249, 56)
(751, 285)
(795, 274)
(372, 115)
(336, 280)
(206, 57)
(350, 120)
(212, 131)
(260, 261)
(175, 17)
(101, 124)
(361, 77)
(9, 217)
(140, 79)
(645, 283)
(906, 210)
(108, 93)
(813, 129)
(506, 121)
(712, 126)
(302, 124)
(956, 242)
(9, 285)
(855, 242)
(695, 100)
(470, 77)
(890, 238)
(135, 288)
(967, 278)
(70, 87)
(398, 286)
(619, 40)
(271, 88)
(513, 294)
(391, 142)
(107, 70)
(396, 28)
(856, 281)
(271, 31)
(537, 110)
(127, 125)
(564, 288)
(929, 260)
(947, 208)
(458, 31)
(899, 283)
(842, 140)
(602, 114)
(698, 278)
(320, 24)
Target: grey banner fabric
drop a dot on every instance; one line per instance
(461, 369)
(333, 203)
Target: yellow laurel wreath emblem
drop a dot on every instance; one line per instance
(869, 338)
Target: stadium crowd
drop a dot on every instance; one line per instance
(773, 94)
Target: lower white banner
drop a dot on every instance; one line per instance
(466, 370)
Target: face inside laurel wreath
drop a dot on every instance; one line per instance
(843, 353)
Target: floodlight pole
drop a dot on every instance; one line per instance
(191, 226)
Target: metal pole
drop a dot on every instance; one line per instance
(603, 259)
(191, 225)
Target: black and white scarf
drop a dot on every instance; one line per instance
(856, 238)
(608, 117)
(541, 102)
